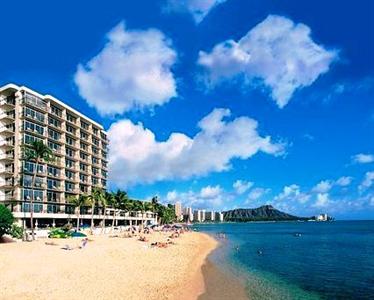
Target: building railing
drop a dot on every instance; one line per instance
(34, 101)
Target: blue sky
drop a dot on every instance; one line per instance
(218, 104)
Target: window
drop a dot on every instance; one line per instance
(56, 111)
(95, 160)
(33, 127)
(30, 167)
(54, 134)
(83, 156)
(95, 141)
(54, 122)
(38, 197)
(71, 118)
(52, 197)
(69, 186)
(84, 136)
(83, 188)
(52, 171)
(28, 112)
(34, 101)
(85, 125)
(84, 146)
(95, 171)
(95, 150)
(55, 147)
(83, 167)
(69, 152)
(53, 184)
(104, 173)
(95, 130)
(70, 129)
(69, 175)
(27, 181)
(70, 141)
(69, 163)
(29, 139)
(83, 178)
(103, 182)
(95, 181)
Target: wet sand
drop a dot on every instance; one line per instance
(220, 286)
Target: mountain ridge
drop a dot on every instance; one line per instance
(262, 213)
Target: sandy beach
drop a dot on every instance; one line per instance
(116, 268)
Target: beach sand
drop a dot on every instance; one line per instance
(115, 268)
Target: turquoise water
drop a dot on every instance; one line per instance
(330, 260)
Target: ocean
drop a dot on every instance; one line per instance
(298, 260)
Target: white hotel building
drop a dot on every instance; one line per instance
(80, 147)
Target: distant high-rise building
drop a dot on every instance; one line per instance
(210, 216)
(178, 211)
(188, 214)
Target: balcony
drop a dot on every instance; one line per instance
(6, 171)
(7, 144)
(35, 102)
(6, 131)
(7, 117)
(7, 184)
(8, 102)
(72, 190)
(7, 156)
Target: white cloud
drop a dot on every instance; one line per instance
(132, 71)
(199, 9)
(368, 181)
(277, 51)
(363, 158)
(322, 200)
(344, 181)
(210, 191)
(323, 187)
(209, 197)
(292, 192)
(255, 194)
(241, 186)
(135, 156)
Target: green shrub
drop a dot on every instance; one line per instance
(58, 233)
(6, 220)
(16, 231)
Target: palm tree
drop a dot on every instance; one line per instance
(38, 152)
(94, 199)
(105, 202)
(78, 202)
(118, 200)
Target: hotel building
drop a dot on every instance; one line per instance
(80, 147)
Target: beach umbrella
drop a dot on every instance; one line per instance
(78, 234)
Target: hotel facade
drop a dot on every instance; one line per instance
(80, 147)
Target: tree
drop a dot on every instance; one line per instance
(96, 198)
(105, 202)
(78, 202)
(39, 153)
(6, 220)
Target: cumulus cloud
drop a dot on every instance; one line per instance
(292, 193)
(368, 181)
(199, 9)
(256, 194)
(344, 181)
(278, 52)
(135, 156)
(362, 158)
(209, 197)
(323, 187)
(133, 70)
(241, 186)
(322, 200)
(210, 191)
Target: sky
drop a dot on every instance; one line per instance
(219, 104)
